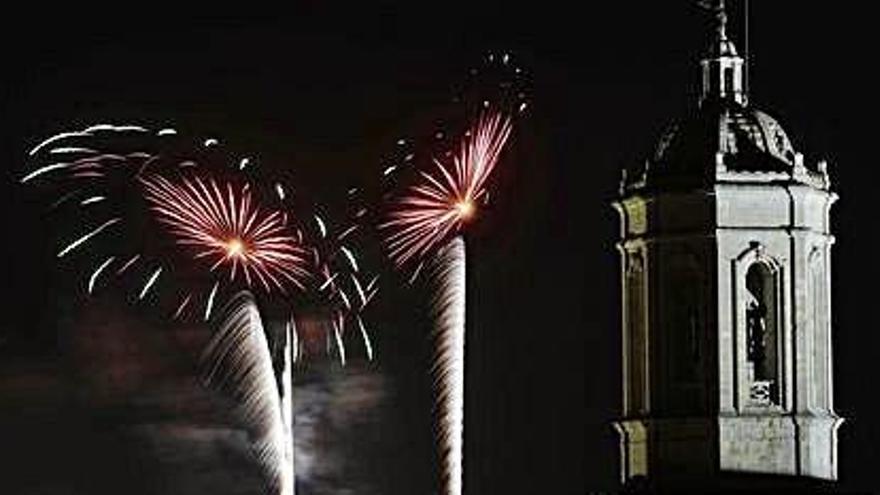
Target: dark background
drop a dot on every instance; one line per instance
(328, 89)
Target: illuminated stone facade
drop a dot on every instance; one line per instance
(725, 248)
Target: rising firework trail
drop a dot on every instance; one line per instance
(237, 362)
(425, 228)
(447, 280)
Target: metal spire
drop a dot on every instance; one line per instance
(721, 18)
(723, 71)
(717, 8)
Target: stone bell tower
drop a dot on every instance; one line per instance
(725, 263)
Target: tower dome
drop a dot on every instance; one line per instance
(747, 139)
(724, 133)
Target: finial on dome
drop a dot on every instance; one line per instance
(721, 18)
(722, 67)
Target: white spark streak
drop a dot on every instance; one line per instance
(182, 306)
(321, 226)
(361, 294)
(350, 256)
(128, 264)
(327, 282)
(346, 232)
(98, 271)
(73, 245)
(71, 149)
(366, 336)
(337, 334)
(210, 303)
(116, 128)
(344, 298)
(294, 335)
(415, 275)
(48, 168)
(287, 405)
(93, 199)
(372, 283)
(57, 137)
(150, 282)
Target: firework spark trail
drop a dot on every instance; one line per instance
(88, 132)
(366, 337)
(75, 244)
(439, 205)
(183, 304)
(337, 335)
(288, 358)
(226, 227)
(294, 337)
(238, 363)
(210, 304)
(98, 271)
(150, 282)
(447, 279)
(337, 284)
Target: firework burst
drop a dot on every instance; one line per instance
(223, 226)
(177, 217)
(437, 208)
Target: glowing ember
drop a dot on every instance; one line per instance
(465, 209)
(234, 247)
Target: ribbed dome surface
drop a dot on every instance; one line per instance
(750, 140)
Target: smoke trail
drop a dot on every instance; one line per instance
(447, 281)
(237, 362)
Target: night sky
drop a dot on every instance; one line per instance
(327, 90)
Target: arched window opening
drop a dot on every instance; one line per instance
(761, 334)
(728, 89)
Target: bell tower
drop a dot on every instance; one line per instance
(725, 249)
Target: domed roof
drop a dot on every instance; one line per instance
(747, 138)
(723, 138)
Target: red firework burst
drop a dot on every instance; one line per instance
(441, 204)
(226, 227)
